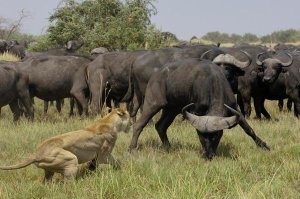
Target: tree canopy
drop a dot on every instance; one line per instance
(113, 24)
(282, 36)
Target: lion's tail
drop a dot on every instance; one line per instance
(23, 164)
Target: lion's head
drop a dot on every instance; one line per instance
(122, 119)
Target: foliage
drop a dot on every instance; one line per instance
(113, 24)
(41, 43)
(282, 36)
(290, 35)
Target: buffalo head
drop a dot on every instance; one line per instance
(232, 66)
(272, 67)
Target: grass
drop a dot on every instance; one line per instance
(8, 57)
(240, 170)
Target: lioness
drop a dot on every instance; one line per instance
(63, 153)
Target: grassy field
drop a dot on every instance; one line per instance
(240, 170)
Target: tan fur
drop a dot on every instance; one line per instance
(63, 153)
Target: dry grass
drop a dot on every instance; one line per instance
(8, 57)
(240, 170)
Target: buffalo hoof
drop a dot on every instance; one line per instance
(263, 145)
(208, 156)
(167, 147)
(131, 149)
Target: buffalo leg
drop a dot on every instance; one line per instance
(241, 103)
(289, 104)
(72, 103)
(264, 111)
(116, 104)
(260, 108)
(137, 102)
(249, 131)
(27, 103)
(210, 142)
(247, 105)
(80, 98)
(79, 107)
(58, 105)
(15, 109)
(257, 107)
(96, 97)
(166, 119)
(280, 105)
(294, 95)
(147, 114)
(46, 104)
(129, 107)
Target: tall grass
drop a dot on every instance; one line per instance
(240, 170)
(8, 57)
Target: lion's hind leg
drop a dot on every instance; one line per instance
(48, 176)
(60, 161)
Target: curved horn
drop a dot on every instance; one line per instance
(288, 63)
(258, 62)
(246, 64)
(229, 59)
(205, 53)
(210, 124)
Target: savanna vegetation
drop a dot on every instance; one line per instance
(240, 169)
(282, 36)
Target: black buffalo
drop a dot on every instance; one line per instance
(283, 68)
(3, 46)
(250, 85)
(58, 77)
(71, 47)
(17, 50)
(148, 63)
(14, 89)
(108, 77)
(192, 81)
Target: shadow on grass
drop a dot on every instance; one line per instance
(223, 150)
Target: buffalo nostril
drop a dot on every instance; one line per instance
(266, 79)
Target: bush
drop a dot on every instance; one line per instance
(114, 24)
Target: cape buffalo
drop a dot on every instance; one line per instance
(108, 77)
(3, 46)
(192, 81)
(148, 63)
(17, 50)
(58, 77)
(14, 89)
(250, 84)
(283, 67)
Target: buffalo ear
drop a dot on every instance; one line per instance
(237, 71)
(284, 70)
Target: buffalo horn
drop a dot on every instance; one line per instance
(229, 59)
(288, 63)
(210, 124)
(258, 62)
(205, 53)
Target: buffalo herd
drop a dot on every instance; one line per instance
(210, 85)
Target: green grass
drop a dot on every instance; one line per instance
(240, 170)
